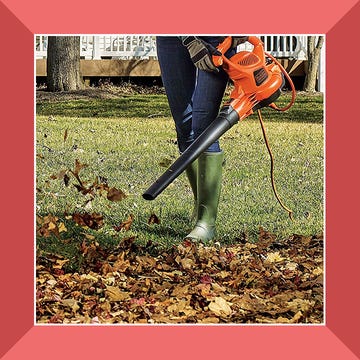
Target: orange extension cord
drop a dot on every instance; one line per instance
(273, 106)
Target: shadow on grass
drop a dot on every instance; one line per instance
(128, 106)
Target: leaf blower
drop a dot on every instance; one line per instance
(257, 78)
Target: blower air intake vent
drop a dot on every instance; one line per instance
(248, 59)
(260, 76)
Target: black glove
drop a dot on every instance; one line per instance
(237, 40)
(201, 53)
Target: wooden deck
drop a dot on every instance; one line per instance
(149, 67)
(110, 68)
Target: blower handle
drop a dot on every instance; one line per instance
(223, 47)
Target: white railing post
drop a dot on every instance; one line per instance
(322, 65)
(96, 48)
(300, 52)
(41, 47)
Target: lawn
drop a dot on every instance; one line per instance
(106, 255)
(126, 142)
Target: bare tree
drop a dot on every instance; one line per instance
(314, 46)
(63, 63)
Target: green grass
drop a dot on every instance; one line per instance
(120, 140)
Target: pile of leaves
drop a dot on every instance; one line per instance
(270, 281)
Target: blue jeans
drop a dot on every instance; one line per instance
(194, 95)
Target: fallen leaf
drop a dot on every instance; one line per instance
(274, 257)
(115, 194)
(115, 294)
(60, 263)
(220, 307)
(209, 320)
(187, 263)
(71, 303)
(62, 227)
(78, 167)
(153, 219)
(125, 225)
(93, 221)
(66, 179)
(52, 282)
(51, 226)
(206, 279)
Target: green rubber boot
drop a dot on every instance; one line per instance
(208, 194)
(192, 175)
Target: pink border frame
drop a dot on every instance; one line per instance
(337, 339)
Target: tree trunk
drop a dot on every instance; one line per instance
(63, 63)
(313, 52)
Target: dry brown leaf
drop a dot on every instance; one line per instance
(93, 221)
(220, 307)
(113, 293)
(71, 303)
(78, 167)
(114, 194)
(153, 219)
(60, 263)
(274, 257)
(125, 225)
(187, 263)
(209, 320)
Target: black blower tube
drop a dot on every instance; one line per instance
(226, 119)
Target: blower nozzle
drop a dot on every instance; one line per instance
(226, 119)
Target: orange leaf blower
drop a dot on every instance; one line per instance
(257, 78)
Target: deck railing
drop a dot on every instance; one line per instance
(144, 46)
(127, 47)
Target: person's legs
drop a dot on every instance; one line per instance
(194, 99)
(178, 74)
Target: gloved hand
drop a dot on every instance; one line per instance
(201, 53)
